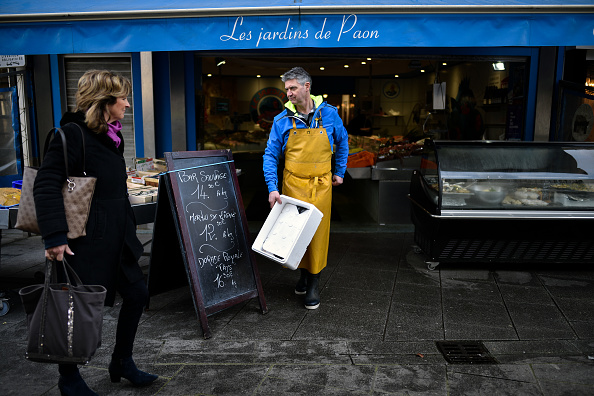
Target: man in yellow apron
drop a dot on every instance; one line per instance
(305, 133)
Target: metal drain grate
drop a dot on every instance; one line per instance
(465, 352)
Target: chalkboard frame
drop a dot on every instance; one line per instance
(179, 221)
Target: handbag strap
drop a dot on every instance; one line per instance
(49, 274)
(71, 275)
(82, 135)
(60, 132)
(46, 288)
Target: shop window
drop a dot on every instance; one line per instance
(575, 113)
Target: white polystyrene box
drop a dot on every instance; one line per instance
(287, 231)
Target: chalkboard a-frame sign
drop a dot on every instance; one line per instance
(200, 203)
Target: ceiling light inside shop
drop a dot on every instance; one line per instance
(325, 96)
(346, 66)
(209, 75)
(368, 59)
(422, 70)
(444, 64)
(498, 66)
(258, 76)
(220, 61)
(363, 63)
(322, 68)
(396, 76)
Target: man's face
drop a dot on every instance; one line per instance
(298, 94)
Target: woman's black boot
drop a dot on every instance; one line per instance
(74, 385)
(312, 296)
(301, 286)
(126, 368)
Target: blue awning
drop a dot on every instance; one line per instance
(45, 27)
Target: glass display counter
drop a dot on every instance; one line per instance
(501, 201)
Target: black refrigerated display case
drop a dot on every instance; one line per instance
(504, 202)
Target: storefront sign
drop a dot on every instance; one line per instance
(293, 30)
(347, 30)
(12, 60)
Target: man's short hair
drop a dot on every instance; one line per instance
(299, 74)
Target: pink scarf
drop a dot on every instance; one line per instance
(112, 132)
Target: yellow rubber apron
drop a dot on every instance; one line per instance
(308, 177)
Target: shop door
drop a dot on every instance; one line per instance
(10, 147)
(75, 67)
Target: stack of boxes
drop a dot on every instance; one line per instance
(143, 181)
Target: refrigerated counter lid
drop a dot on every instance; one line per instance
(516, 214)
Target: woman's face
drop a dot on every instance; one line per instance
(116, 111)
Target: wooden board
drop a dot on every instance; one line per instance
(207, 216)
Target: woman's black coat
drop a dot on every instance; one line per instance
(111, 226)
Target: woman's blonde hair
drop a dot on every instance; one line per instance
(96, 90)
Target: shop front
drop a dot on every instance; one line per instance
(208, 78)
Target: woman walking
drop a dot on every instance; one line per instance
(108, 254)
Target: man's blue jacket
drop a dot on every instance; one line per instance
(283, 122)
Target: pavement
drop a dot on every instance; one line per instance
(383, 315)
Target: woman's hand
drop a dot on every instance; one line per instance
(56, 253)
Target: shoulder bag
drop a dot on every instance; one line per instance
(77, 192)
(64, 320)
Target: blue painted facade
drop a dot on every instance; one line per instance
(512, 28)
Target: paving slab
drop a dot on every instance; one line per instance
(346, 314)
(483, 381)
(414, 379)
(361, 278)
(206, 379)
(519, 277)
(521, 294)
(414, 322)
(575, 373)
(564, 388)
(537, 322)
(355, 258)
(418, 277)
(349, 379)
(469, 290)
(477, 320)
(533, 347)
(377, 245)
(584, 330)
(374, 334)
(576, 309)
(569, 286)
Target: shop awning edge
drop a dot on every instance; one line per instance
(299, 10)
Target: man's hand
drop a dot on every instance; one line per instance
(336, 180)
(274, 197)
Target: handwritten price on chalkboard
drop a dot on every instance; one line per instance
(210, 211)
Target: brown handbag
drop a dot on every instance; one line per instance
(77, 192)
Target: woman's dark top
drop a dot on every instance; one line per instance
(111, 227)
